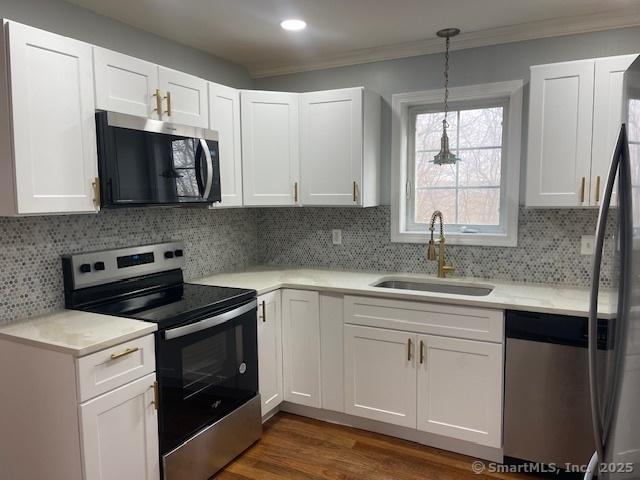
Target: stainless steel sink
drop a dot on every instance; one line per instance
(452, 288)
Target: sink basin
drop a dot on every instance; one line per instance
(452, 288)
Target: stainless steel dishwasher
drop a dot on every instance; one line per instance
(547, 415)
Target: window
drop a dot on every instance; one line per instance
(478, 196)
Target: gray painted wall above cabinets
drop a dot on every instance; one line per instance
(72, 21)
(468, 67)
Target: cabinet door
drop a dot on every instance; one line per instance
(331, 135)
(224, 117)
(125, 84)
(185, 98)
(380, 374)
(270, 159)
(460, 389)
(270, 350)
(120, 433)
(53, 120)
(301, 347)
(560, 122)
(607, 118)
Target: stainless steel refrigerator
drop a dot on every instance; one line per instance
(615, 383)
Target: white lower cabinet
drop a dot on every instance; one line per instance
(460, 389)
(270, 350)
(301, 347)
(120, 433)
(380, 374)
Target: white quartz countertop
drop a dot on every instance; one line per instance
(506, 295)
(76, 333)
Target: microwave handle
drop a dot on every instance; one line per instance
(207, 156)
(209, 322)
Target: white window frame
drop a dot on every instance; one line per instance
(403, 104)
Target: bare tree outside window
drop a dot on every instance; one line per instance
(467, 193)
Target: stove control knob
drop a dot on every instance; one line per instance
(179, 253)
(168, 254)
(98, 266)
(85, 268)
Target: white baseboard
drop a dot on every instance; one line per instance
(437, 441)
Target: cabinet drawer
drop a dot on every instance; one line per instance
(430, 318)
(108, 369)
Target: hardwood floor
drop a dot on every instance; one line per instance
(294, 447)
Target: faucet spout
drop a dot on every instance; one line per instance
(443, 268)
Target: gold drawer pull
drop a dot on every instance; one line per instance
(355, 191)
(96, 191)
(598, 188)
(409, 345)
(582, 187)
(421, 351)
(158, 101)
(295, 192)
(168, 99)
(155, 400)
(128, 351)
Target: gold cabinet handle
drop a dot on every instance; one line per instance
(158, 96)
(295, 192)
(421, 352)
(598, 188)
(96, 191)
(128, 351)
(156, 399)
(582, 187)
(355, 191)
(168, 99)
(409, 345)
(264, 311)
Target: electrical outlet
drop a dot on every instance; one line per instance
(336, 236)
(587, 244)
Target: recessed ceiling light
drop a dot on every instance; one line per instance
(293, 24)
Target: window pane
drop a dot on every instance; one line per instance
(429, 130)
(481, 127)
(480, 168)
(429, 200)
(479, 206)
(431, 175)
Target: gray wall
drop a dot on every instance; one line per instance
(468, 67)
(75, 22)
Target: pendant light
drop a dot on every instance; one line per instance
(444, 156)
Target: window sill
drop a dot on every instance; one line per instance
(478, 239)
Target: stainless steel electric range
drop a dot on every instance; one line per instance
(206, 350)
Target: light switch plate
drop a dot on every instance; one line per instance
(587, 244)
(336, 236)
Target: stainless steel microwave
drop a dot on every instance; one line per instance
(149, 162)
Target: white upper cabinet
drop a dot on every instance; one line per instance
(460, 389)
(270, 350)
(185, 98)
(607, 118)
(301, 347)
(224, 117)
(48, 159)
(560, 123)
(270, 148)
(575, 112)
(333, 157)
(126, 84)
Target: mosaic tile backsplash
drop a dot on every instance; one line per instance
(548, 248)
(30, 267)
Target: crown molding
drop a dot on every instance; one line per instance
(628, 17)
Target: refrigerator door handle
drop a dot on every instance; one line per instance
(594, 388)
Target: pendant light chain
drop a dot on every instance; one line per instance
(446, 83)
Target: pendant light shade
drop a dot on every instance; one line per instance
(445, 156)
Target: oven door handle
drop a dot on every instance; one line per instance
(209, 322)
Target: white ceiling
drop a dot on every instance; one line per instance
(342, 32)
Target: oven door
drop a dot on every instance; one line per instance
(205, 370)
(148, 162)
